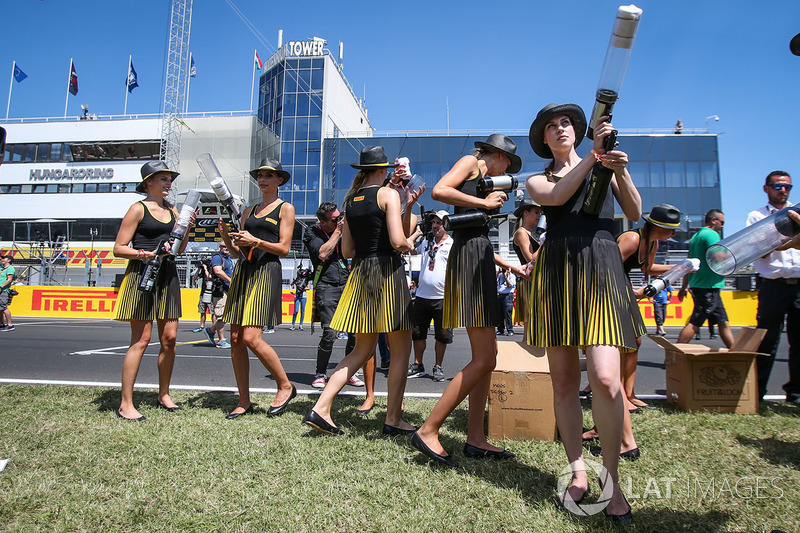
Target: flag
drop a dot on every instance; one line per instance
(18, 74)
(73, 79)
(133, 79)
(259, 64)
(192, 69)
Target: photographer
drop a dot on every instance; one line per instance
(221, 272)
(429, 301)
(300, 285)
(202, 278)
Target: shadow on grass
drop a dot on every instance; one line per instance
(777, 452)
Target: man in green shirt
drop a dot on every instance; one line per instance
(7, 273)
(705, 284)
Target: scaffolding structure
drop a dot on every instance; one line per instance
(175, 80)
(41, 256)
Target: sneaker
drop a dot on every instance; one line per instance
(697, 337)
(291, 328)
(223, 344)
(384, 364)
(210, 335)
(438, 373)
(8, 328)
(416, 370)
(355, 381)
(300, 327)
(341, 336)
(197, 330)
(510, 333)
(270, 330)
(319, 381)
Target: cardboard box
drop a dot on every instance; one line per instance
(521, 394)
(700, 378)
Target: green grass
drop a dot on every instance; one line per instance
(76, 467)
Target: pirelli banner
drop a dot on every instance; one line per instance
(99, 302)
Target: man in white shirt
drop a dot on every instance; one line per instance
(429, 301)
(506, 285)
(779, 292)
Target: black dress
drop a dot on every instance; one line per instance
(376, 298)
(255, 294)
(165, 300)
(523, 300)
(470, 287)
(580, 295)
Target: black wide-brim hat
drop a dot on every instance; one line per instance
(526, 203)
(664, 216)
(500, 143)
(371, 158)
(150, 169)
(274, 165)
(536, 135)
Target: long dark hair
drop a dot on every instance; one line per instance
(358, 182)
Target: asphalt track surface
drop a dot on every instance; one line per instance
(86, 352)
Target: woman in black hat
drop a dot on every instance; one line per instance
(526, 246)
(376, 298)
(255, 293)
(580, 296)
(146, 224)
(470, 296)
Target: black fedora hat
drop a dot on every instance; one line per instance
(664, 216)
(526, 203)
(271, 164)
(371, 158)
(536, 135)
(151, 168)
(498, 142)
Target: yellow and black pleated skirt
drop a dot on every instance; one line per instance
(376, 298)
(581, 297)
(163, 303)
(254, 295)
(470, 287)
(523, 300)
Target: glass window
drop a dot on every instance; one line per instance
(430, 150)
(90, 187)
(27, 189)
(289, 104)
(30, 153)
(64, 187)
(52, 188)
(673, 173)
(709, 174)
(676, 197)
(313, 154)
(43, 153)
(77, 187)
(300, 151)
(19, 150)
(640, 172)
(288, 129)
(315, 109)
(291, 82)
(103, 187)
(286, 154)
(318, 63)
(312, 179)
(55, 152)
(304, 84)
(39, 189)
(317, 80)
(657, 174)
(301, 128)
(13, 189)
(312, 202)
(315, 128)
(304, 63)
(302, 104)
(692, 174)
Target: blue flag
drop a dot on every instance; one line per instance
(192, 69)
(18, 74)
(133, 79)
(73, 79)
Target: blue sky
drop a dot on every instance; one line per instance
(497, 66)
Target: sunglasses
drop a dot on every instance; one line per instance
(779, 186)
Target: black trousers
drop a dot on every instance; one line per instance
(505, 305)
(327, 298)
(779, 301)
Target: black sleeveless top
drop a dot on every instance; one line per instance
(151, 231)
(367, 223)
(470, 187)
(267, 228)
(518, 250)
(568, 220)
(634, 261)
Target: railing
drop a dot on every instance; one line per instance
(191, 114)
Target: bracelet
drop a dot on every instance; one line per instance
(258, 244)
(139, 254)
(596, 154)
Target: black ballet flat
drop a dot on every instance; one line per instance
(233, 416)
(635, 411)
(625, 518)
(170, 409)
(275, 411)
(392, 431)
(474, 451)
(563, 499)
(140, 419)
(364, 412)
(320, 424)
(420, 446)
(630, 455)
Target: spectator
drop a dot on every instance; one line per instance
(221, 272)
(300, 284)
(202, 277)
(660, 302)
(6, 279)
(506, 283)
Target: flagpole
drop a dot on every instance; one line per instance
(253, 81)
(127, 77)
(69, 78)
(188, 82)
(11, 85)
